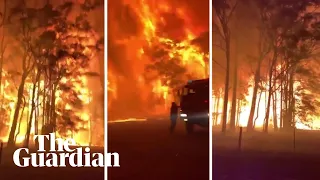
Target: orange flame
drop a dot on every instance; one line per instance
(179, 45)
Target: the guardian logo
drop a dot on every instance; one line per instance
(63, 156)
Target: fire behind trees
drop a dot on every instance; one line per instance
(266, 64)
(46, 53)
(154, 46)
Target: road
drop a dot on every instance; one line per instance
(148, 152)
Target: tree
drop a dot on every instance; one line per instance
(24, 29)
(223, 11)
(168, 68)
(3, 23)
(55, 47)
(72, 48)
(298, 49)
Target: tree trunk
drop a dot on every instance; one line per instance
(218, 108)
(234, 95)
(266, 119)
(36, 120)
(20, 119)
(215, 111)
(53, 108)
(16, 112)
(291, 100)
(286, 121)
(33, 104)
(271, 70)
(226, 88)
(258, 107)
(275, 120)
(254, 96)
(4, 16)
(44, 105)
(238, 112)
(281, 101)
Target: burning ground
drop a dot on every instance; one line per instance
(50, 76)
(153, 47)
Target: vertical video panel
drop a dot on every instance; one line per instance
(265, 89)
(158, 89)
(51, 82)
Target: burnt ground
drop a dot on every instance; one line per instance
(8, 171)
(267, 157)
(148, 152)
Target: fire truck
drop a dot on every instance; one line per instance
(193, 101)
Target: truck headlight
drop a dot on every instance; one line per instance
(183, 115)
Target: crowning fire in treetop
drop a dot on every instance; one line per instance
(266, 66)
(46, 88)
(154, 46)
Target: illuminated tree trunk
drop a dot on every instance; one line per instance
(234, 92)
(20, 119)
(286, 121)
(223, 15)
(254, 95)
(271, 70)
(238, 112)
(36, 120)
(53, 108)
(258, 106)
(274, 105)
(218, 108)
(281, 98)
(1, 79)
(1, 73)
(234, 100)
(33, 104)
(3, 47)
(37, 110)
(274, 113)
(266, 119)
(44, 105)
(291, 100)
(226, 87)
(17, 111)
(215, 117)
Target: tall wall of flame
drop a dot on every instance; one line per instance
(90, 88)
(134, 26)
